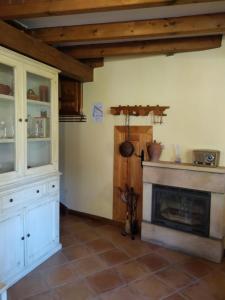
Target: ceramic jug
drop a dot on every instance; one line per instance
(154, 150)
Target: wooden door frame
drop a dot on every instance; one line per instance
(117, 131)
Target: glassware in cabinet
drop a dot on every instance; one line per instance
(38, 121)
(7, 119)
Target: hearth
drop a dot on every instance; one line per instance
(181, 209)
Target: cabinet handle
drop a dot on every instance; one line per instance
(26, 120)
(37, 191)
(28, 235)
(53, 185)
(11, 200)
(22, 238)
(20, 120)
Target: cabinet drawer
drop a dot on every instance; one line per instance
(12, 199)
(35, 192)
(53, 186)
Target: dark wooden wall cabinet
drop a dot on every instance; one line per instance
(71, 100)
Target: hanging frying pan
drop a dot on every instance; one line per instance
(127, 148)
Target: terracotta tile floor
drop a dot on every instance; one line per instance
(98, 263)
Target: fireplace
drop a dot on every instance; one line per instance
(181, 209)
(184, 208)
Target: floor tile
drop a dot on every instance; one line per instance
(113, 257)
(151, 287)
(77, 290)
(121, 294)
(196, 267)
(211, 287)
(86, 235)
(55, 260)
(28, 286)
(199, 291)
(131, 271)
(76, 252)
(172, 255)
(104, 281)
(68, 240)
(99, 245)
(89, 265)
(50, 295)
(136, 248)
(153, 262)
(59, 275)
(174, 277)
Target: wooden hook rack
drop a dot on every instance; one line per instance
(139, 110)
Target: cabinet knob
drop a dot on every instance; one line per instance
(11, 200)
(22, 238)
(26, 120)
(37, 191)
(28, 235)
(53, 185)
(20, 120)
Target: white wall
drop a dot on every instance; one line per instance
(192, 84)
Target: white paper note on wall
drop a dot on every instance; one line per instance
(97, 112)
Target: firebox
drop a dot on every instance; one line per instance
(181, 209)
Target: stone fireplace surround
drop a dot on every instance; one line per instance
(190, 177)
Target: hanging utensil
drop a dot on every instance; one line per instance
(127, 148)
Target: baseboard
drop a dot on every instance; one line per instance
(94, 217)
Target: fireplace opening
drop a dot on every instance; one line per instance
(181, 209)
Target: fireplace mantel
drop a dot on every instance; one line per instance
(184, 166)
(189, 177)
(185, 176)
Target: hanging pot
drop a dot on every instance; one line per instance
(126, 148)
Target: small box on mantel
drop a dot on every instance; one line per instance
(206, 158)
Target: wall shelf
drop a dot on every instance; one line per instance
(39, 139)
(6, 97)
(139, 110)
(157, 112)
(36, 102)
(6, 141)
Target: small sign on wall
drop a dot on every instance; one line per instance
(97, 112)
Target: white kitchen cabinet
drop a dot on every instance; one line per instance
(28, 117)
(29, 177)
(12, 246)
(41, 236)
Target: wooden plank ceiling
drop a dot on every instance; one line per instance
(82, 47)
(32, 8)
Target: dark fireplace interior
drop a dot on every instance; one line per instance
(182, 209)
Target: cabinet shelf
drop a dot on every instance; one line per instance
(36, 102)
(39, 139)
(6, 141)
(6, 97)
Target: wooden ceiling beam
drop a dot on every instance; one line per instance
(42, 8)
(153, 47)
(156, 28)
(95, 62)
(21, 42)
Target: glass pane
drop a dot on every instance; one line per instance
(7, 119)
(38, 118)
(39, 153)
(6, 80)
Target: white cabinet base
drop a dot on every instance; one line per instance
(29, 227)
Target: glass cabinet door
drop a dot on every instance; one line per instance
(38, 94)
(7, 119)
